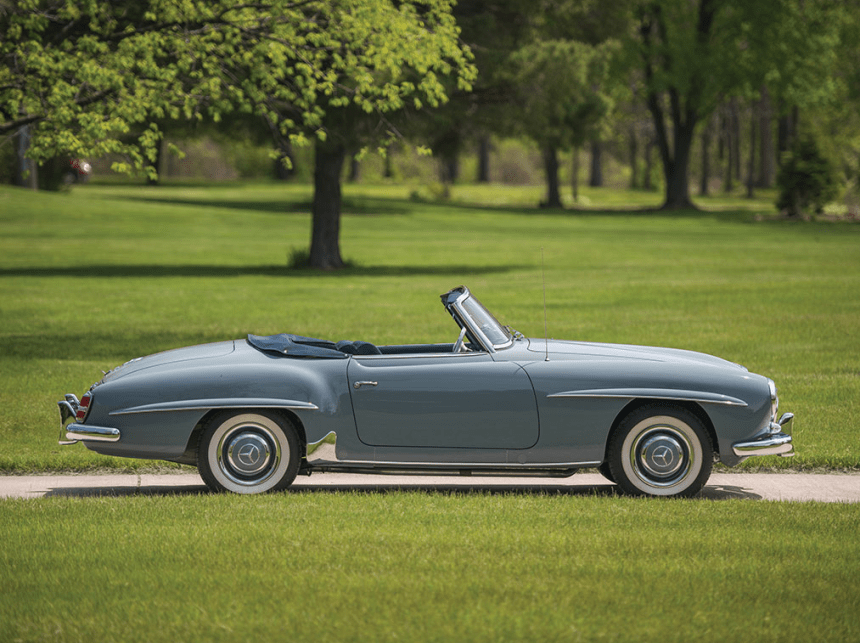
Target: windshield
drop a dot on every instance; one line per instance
(485, 322)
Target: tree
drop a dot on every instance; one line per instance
(491, 30)
(564, 77)
(562, 94)
(807, 180)
(695, 53)
(93, 77)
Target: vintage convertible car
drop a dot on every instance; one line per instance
(251, 414)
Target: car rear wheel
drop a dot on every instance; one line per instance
(248, 453)
(661, 450)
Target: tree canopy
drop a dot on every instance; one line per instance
(692, 55)
(92, 76)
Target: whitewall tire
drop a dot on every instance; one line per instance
(248, 452)
(661, 450)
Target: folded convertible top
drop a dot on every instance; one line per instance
(296, 346)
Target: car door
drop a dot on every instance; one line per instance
(457, 400)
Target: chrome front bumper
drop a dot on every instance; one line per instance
(71, 433)
(776, 442)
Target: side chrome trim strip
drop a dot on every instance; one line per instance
(445, 466)
(654, 394)
(417, 356)
(323, 452)
(208, 405)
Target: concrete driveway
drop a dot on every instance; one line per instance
(793, 487)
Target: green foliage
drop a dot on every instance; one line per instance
(563, 89)
(93, 77)
(807, 180)
(695, 55)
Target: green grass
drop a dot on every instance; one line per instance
(106, 273)
(426, 567)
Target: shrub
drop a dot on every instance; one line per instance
(807, 180)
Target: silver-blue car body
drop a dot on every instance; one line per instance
(251, 414)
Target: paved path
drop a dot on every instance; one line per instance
(833, 487)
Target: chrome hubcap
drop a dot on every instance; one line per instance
(248, 454)
(661, 456)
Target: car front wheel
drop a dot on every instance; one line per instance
(661, 451)
(248, 453)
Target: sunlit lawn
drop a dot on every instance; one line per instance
(93, 278)
(425, 566)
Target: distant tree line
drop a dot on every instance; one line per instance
(742, 92)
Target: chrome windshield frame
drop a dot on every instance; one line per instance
(458, 310)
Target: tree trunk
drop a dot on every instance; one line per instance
(634, 152)
(682, 104)
(388, 171)
(574, 174)
(596, 179)
(647, 184)
(751, 166)
(325, 234)
(726, 136)
(484, 159)
(449, 169)
(786, 131)
(27, 172)
(736, 139)
(766, 152)
(675, 159)
(706, 159)
(550, 163)
(677, 176)
(354, 169)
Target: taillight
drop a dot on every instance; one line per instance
(83, 407)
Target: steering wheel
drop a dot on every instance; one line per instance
(460, 345)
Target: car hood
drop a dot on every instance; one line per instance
(558, 349)
(203, 351)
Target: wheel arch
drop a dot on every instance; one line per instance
(693, 407)
(190, 454)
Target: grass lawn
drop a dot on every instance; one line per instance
(95, 277)
(416, 566)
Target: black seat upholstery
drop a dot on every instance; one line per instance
(357, 348)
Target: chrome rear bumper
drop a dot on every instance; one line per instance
(776, 442)
(71, 433)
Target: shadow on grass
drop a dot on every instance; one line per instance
(607, 490)
(383, 206)
(147, 271)
(354, 206)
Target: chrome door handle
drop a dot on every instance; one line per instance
(358, 385)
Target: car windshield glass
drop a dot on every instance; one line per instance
(485, 321)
